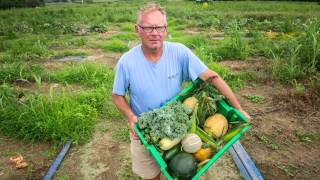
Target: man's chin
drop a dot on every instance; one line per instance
(155, 47)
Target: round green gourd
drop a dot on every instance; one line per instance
(191, 143)
(183, 166)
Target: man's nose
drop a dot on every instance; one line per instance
(154, 31)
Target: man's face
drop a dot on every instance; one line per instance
(152, 30)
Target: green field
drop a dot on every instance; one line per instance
(45, 96)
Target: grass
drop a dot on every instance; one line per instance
(54, 118)
(307, 137)
(66, 53)
(125, 171)
(125, 37)
(121, 134)
(265, 139)
(255, 98)
(115, 46)
(234, 81)
(89, 74)
(9, 72)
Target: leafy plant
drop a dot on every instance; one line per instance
(55, 118)
(115, 46)
(90, 74)
(255, 98)
(171, 122)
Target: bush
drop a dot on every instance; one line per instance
(6, 4)
(56, 118)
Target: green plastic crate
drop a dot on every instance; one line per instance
(229, 112)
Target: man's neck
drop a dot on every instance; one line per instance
(152, 55)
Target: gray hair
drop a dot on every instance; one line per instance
(150, 7)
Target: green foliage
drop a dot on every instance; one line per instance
(307, 137)
(61, 54)
(49, 118)
(121, 134)
(28, 49)
(10, 72)
(255, 98)
(6, 4)
(127, 27)
(125, 172)
(94, 98)
(115, 46)
(190, 41)
(233, 80)
(171, 122)
(124, 37)
(90, 74)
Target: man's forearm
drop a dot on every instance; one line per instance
(221, 86)
(123, 106)
(225, 90)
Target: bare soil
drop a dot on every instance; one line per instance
(284, 141)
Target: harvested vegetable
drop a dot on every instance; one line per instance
(168, 155)
(207, 139)
(171, 122)
(191, 143)
(183, 166)
(203, 154)
(166, 143)
(232, 133)
(190, 103)
(216, 125)
(207, 97)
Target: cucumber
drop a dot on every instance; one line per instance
(168, 155)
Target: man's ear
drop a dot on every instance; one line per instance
(136, 28)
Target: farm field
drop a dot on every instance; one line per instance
(56, 75)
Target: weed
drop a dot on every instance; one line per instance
(236, 47)
(61, 54)
(255, 98)
(124, 37)
(290, 169)
(115, 46)
(55, 118)
(90, 74)
(127, 27)
(121, 133)
(307, 137)
(192, 42)
(125, 171)
(10, 72)
(297, 87)
(234, 81)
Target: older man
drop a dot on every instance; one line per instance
(152, 73)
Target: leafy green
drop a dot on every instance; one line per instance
(171, 122)
(207, 96)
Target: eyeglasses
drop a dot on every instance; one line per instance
(149, 29)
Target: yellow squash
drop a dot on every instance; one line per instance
(216, 125)
(190, 102)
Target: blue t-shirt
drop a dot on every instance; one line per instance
(150, 85)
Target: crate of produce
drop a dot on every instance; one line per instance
(181, 161)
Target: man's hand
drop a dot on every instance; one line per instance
(132, 120)
(245, 114)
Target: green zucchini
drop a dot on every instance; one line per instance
(206, 138)
(232, 133)
(168, 155)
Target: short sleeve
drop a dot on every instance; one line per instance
(193, 67)
(121, 82)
